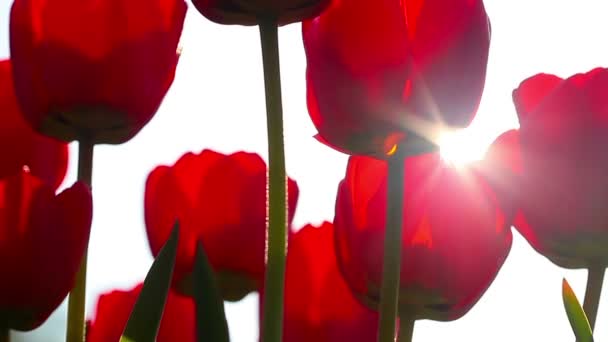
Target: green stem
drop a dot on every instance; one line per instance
(406, 329)
(276, 249)
(76, 301)
(389, 295)
(595, 279)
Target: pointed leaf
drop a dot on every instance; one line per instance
(576, 314)
(145, 318)
(210, 317)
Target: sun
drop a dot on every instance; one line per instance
(462, 147)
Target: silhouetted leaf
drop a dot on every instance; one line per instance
(145, 318)
(211, 323)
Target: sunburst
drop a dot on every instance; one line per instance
(462, 147)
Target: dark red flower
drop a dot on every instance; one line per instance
(248, 12)
(319, 306)
(388, 71)
(114, 308)
(562, 188)
(46, 158)
(221, 201)
(43, 237)
(95, 68)
(455, 237)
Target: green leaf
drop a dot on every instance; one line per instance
(210, 317)
(576, 314)
(145, 318)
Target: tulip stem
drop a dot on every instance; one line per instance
(406, 329)
(76, 301)
(595, 279)
(276, 235)
(391, 270)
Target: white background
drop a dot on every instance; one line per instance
(217, 102)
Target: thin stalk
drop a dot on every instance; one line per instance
(406, 329)
(276, 245)
(76, 301)
(595, 279)
(391, 270)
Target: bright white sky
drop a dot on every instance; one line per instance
(217, 102)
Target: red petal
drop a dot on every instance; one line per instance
(533, 92)
(450, 45)
(48, 235)
(356, 73)
(114, 308)
(451, 222)
(73, 55)
(502, 168)
(318, 303)
(219, 200)
(562, 136)
(46, 158)
(413, 66)
(238, 12)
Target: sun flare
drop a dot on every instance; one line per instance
(462, 147)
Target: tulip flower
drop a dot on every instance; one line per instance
(388, 72)
(219, 200)
(93, 69)
(43, 237)
(563, 187)
(319, 305)
(46, 158)
(113, 310)
(455, 237)
(248, 12)
(554, 167)
(501, 168)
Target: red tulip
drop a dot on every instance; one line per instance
(561, 188)
(46, 158)
(221, 201)
(93, 68)
(500, 168)
(43, 237)
(319, 306)
(114, 308)
(455, 238)
(389, 71)
(248, 12)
